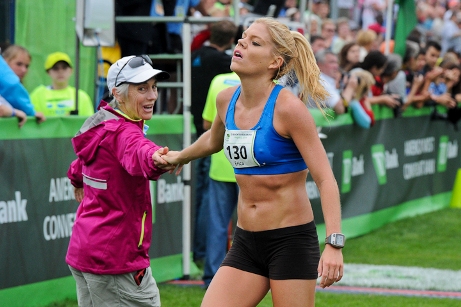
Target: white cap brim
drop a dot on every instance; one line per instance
(149, 74)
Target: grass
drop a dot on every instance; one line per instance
(174, 296)
(430, 240)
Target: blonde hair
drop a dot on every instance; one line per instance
(13, 51)
(327, 21)
(365, 81)
(297, 56)
(366, 37)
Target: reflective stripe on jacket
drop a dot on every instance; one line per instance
(113, 228)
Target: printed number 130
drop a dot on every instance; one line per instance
(238, 152)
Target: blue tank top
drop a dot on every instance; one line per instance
(272, 154)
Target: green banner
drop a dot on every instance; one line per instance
(37, 205)
(398, 168)
(396, 161)
(47, 26)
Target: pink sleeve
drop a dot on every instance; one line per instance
(134, 152)
(75, 173)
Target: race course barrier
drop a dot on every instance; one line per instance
(399, 168)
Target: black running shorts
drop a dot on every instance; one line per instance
(283, 253)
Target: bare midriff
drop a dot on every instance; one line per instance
(273, 201)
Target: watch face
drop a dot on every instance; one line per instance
(339, 240)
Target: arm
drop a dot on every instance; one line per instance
(74, 173)
(206, 125)
(208, 143)
(138, 155)
(7, 111)
(387, 100)
(347, 94)
(444, 100)
(292, 119)
(413, 97)
(13, 91)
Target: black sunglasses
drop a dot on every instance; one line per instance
(135, 62)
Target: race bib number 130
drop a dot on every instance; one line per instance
(239, 148)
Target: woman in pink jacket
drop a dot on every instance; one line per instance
(108, 249)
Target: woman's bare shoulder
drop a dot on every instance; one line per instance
(227, 93)
(289, 103)
(225, 96)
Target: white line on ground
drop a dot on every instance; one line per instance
(397, 277)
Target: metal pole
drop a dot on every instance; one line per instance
(308, 28)
(390, 8)
(186, 212)
(77, 72)
(334, 12)
(302, 10)
(236, 5)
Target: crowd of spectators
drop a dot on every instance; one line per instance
(354, 40)
(350, 50)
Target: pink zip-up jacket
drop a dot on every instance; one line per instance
(113, 226)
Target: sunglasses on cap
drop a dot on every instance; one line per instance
(135, 62)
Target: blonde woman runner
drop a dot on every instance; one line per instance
(270, 138)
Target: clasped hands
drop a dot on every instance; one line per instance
(167, 160)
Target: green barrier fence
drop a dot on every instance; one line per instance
(399, 168)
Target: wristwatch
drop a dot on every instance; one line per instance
(336, 240)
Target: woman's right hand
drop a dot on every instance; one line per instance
(172, 157)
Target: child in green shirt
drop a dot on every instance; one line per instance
(58, 99)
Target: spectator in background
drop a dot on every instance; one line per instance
(349, 56)
(380, 31)
(394, 80)
(451, 56)
(329, 74)
(320, 8)
(431, 55)
(134, 37)
(440, 88)
(360, 107)
(223, 189)
(18, 58)
(366, 39)
(451, 34)
(58, 99)
(313, 25)
(375, 62)
(328, 32)
(409, 63)
(15, 94)
(453, 7)
(430, 72)
(173, 29)
(421, 60)
(207, 62)
(6, 110)
(372, 12)
(223, 8)
(288, 7)
(343, 34)
(317, 43)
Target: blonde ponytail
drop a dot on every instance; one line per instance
(299, 58)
